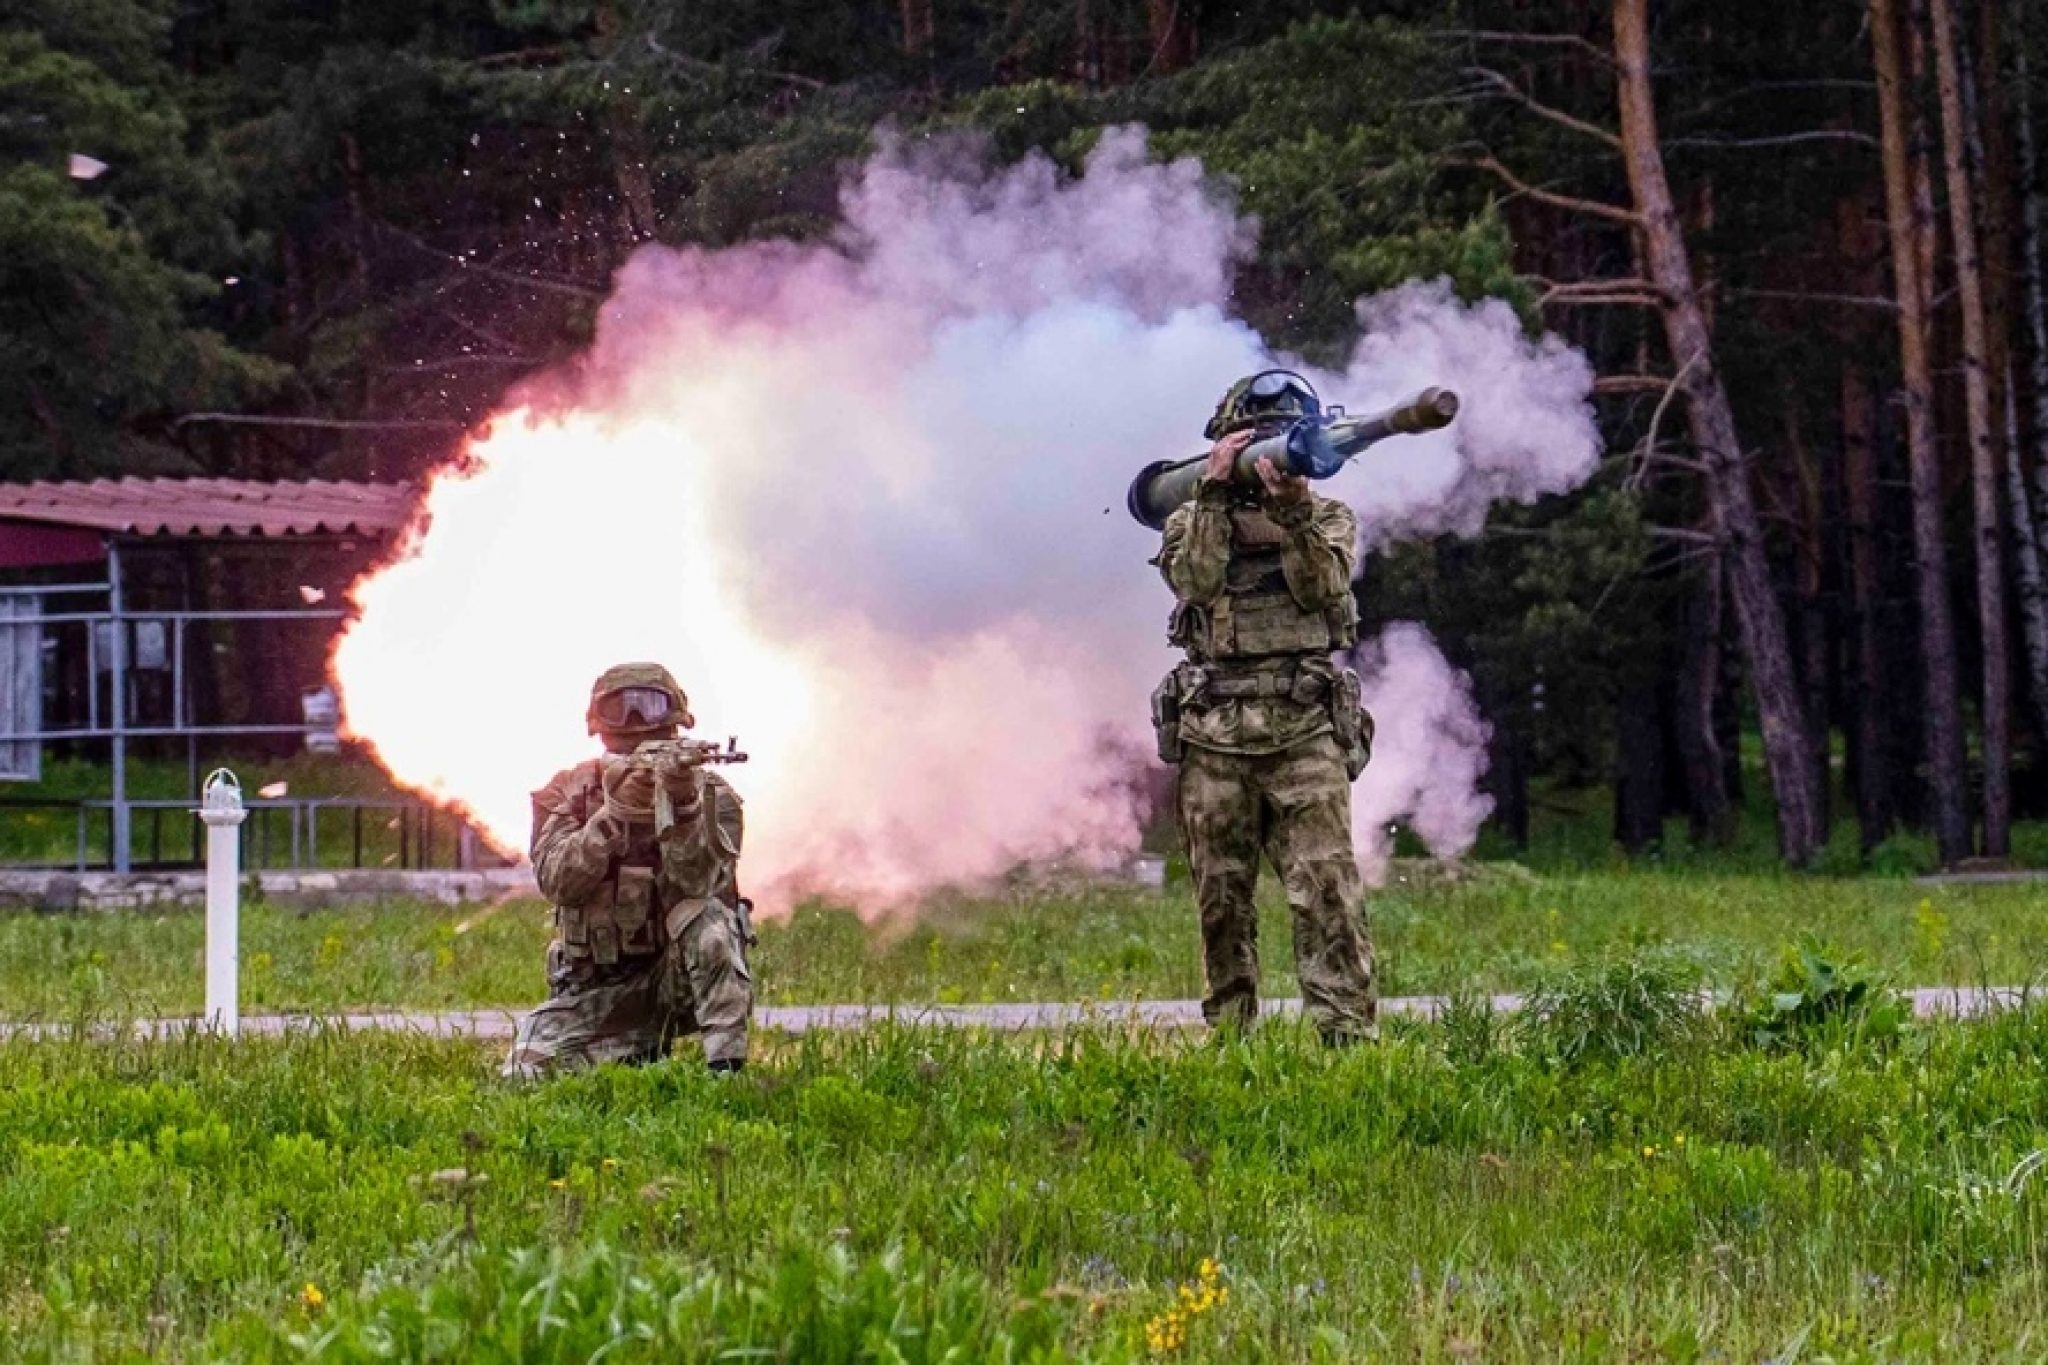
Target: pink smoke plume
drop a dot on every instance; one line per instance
(864, 496)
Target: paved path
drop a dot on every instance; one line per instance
(498, 1024)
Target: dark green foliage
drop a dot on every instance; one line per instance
(106, 283)
(1818, 998)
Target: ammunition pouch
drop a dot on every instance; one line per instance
(1166, 717)
(1350, 722)
(622, 926)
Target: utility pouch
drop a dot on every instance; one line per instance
(633, 910)
(1166, 718)
(1351, 722)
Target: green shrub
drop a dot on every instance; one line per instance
(1815, 1000)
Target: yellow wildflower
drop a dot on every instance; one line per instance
(312, 1297)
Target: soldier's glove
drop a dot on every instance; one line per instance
(629, 793)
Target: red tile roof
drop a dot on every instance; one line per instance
(213, 507)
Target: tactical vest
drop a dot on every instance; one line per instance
(1257, 617)
(625, 917)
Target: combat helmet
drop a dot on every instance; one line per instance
(637, 699)
(1269, 398)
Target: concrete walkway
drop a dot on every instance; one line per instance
(498, 1024)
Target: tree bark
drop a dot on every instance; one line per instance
(1859, 478)
(2026, 546)
(1990, 117)
(1984, 489)
(1638, 769)
(1814, 627)
(1787, 752)
(1699, 747)
(1171, 26)
(2037, 295)
(1943, 721)
(917, 27)
(1507, 778)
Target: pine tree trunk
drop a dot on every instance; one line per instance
(2026, 545)
(1507, 781)
(1639, 769)
(1171, 27)
(1813, 606)
(1984, 489)
(1942, 712)
(2037, 295)
(917, 27)
(1699, 747)
(1859, 477)
(1787, 751)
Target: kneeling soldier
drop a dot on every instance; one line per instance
(651, 933)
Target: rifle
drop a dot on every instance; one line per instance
(669, 760)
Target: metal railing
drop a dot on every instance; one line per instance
(359, 833)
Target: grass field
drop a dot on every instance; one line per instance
(1613, 1176)
(1500, 932)
(1464, 1191)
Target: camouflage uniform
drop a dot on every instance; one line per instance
(651, 934)
(1269, 734)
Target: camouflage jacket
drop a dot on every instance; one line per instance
(1263, 599)
(618, 891)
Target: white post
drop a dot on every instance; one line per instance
(221, 808)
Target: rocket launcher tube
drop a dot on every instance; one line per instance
(1312, 448)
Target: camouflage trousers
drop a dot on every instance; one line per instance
(633, 1010)
(1294, 808)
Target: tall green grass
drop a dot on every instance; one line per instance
(925, 1192)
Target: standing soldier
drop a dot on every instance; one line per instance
(1268, 732)
(650, 930)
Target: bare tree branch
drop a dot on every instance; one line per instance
(1500, 83)
(1571, 40)
(1775, 139)
(1570, 203)
(1819, 296)
(1631, 383)
(1684, 535)
(1657, 416)
(546, 284)
(1605, 301)
(697, 66)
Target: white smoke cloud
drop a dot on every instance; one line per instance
(866, 498)
(1428, 752)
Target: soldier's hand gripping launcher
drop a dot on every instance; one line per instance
(669, 760)
(1313, 447)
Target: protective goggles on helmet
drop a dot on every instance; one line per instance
(635, 708)
(1266, 390)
